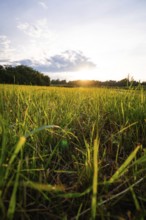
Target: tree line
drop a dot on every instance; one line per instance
(22, 75)
(126, 82)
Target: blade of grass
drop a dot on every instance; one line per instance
(79, 211)
(4, 141)
(2, 207)
(95, 179)
(12, 204)
(120, 193)
(123, 167)
(125, 128)
(75, 194)
(44, 187)
(136, 202)
(18, 147)
(41, 128)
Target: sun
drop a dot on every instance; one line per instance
(85, 74)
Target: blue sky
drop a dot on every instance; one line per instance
(72, 39)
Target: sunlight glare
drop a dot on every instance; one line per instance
(85, 74)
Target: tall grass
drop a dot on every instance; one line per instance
(72, 153)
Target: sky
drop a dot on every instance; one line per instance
(75, 39)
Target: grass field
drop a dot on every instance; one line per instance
(72, 153)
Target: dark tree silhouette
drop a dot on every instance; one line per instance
(22, 75)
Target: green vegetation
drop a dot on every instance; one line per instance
(72, 153)
(124, 83)
(22, 75)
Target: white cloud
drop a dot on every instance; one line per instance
(6, 49)
(29, 29)
(68, 61)
(39, 29)
(39, 38)
(4, 41)
(43, 5)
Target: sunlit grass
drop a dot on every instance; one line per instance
(72, 153)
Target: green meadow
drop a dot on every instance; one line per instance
(72, 153)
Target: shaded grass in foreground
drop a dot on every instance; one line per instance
(72, 153)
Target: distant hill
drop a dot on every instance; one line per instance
(22, 75)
